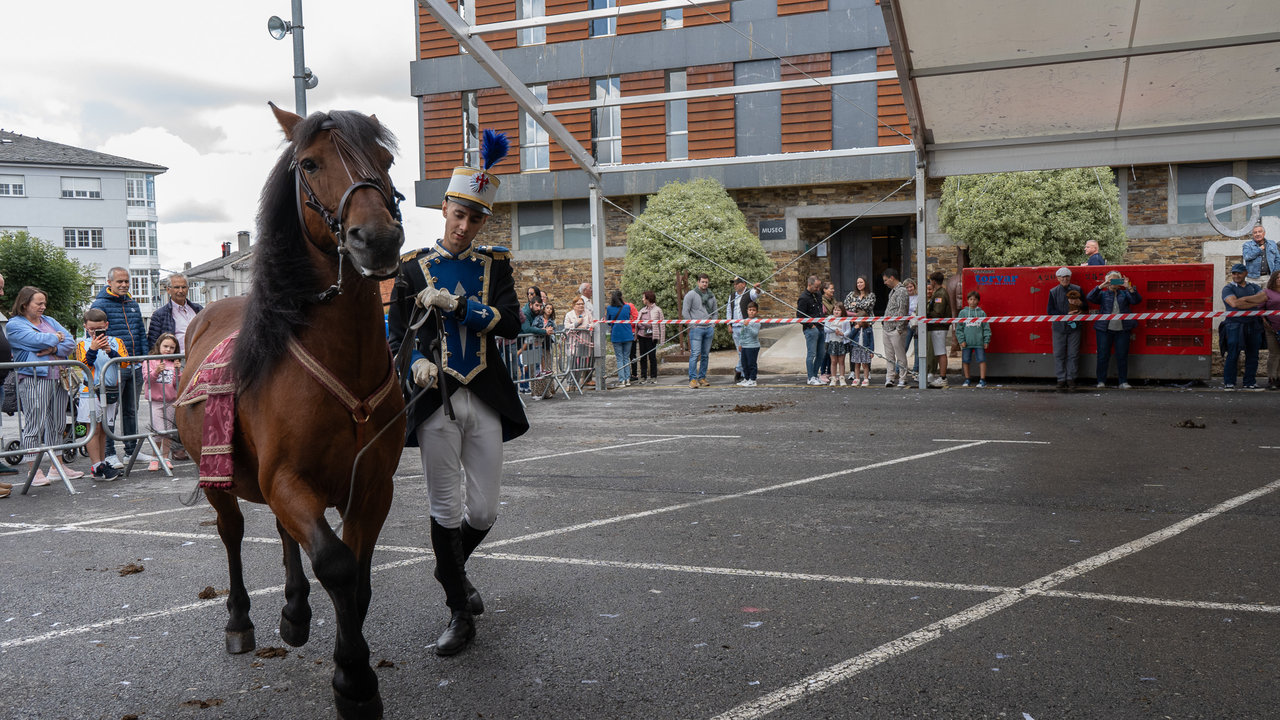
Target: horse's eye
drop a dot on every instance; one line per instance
(308, 165)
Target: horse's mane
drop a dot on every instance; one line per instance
(285, 284)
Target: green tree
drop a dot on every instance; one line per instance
(1033, 218)
(684, 217)
(28, 260)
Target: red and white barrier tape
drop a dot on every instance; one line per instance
(1181, 315)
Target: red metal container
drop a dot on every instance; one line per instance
(1161, 349)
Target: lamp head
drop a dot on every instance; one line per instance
(278, 28)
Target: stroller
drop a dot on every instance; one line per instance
(72, 430)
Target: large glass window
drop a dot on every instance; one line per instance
(82, 237)
(1264, 174)
(82, 188)
(677, 118)
(12, 185)
(141, 189)
(603, 26)
(470, 130)
(535, 143)
(1193, 184)
(531, 9)
(576, 217)
(142, 238)
(606, 122)
(536, 226)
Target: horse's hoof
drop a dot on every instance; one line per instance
(296, 634)
(349, 709)
(240, 641)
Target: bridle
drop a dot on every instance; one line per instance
(334, 220)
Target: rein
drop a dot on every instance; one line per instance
(334, 220)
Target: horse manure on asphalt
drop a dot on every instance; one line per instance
(271, 652)
(203, 704)
(385, 663)
(1190, 424)
(209, 593)
(131, 569)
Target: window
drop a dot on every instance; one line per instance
(535, 148)
(12, 185)
(536, 226)
(677, 118)
(603, 26)
(82, 237)
(1264, 174)
(142, 238)
(470, 130)
(531, 9)
(140, 286)
(672, 18)
(82, 188)
(606, 122)
(576, 216)
(1193, 183)
(140, 189)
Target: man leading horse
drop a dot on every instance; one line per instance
(460, 432)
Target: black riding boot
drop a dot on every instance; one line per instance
(447, 545)
(470, 540)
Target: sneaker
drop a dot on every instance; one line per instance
(1228, 388)
(145, 457)
(1126, 386)
(866, 382)
(982, 383)
(6, 470)
(703, 382)
(824, 379)
(830, 383)
(888, 382)
(103, 471)
(693, 384)
(964, 384)
(842, 383)
(753, 383)
(40, 479)
(71, 473)
(153, 466)
(937, 382)
(737, 377)
(1250, 387)
(1102, 385)
(743, 383)
(114, 461)
(902, 383)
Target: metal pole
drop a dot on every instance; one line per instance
(299, 64)
(922, 236)
(597, 282)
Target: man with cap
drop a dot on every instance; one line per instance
(1261, 256)
(736, 310)
(461, 455)
(1066, 334)
(1241, 333)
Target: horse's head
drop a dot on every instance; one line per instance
(346, 202)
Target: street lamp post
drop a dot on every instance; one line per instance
(303, 79)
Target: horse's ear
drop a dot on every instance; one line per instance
(376, 123)
(286, 119)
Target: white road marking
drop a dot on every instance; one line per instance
(139, 515)
(722, 498)
(665, 438)
(669, 435)
(1006, 442)
(843, 671)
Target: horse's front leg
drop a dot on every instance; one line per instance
(360, 533)
(295, 618)
(231, 529)
(355, 686)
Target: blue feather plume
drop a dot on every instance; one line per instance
(493, 147)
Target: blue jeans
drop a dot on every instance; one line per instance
(622, 353)
(1119, 341)
(815, 351)
(748, 358)
(906, 345)
(130, 383)
(1245, 336)
(699, 350)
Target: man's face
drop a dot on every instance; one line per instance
(813, 286)
(1237, 278)
(586, 292)
(1064, 280)
(119, 283)
(1259, 234)
(461, 224)
(890, 282)
(178, 291)
(537, 308)
(1091, 248)
(738, 287)
(703, 283)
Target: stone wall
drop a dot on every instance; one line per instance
(1148, 194)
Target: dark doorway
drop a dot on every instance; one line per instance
(865, 249)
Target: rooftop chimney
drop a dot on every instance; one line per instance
(243, 238)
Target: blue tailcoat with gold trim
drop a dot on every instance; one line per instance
(482, 275)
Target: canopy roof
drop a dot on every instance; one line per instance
(997, 85)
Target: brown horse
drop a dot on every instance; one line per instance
(329, 201)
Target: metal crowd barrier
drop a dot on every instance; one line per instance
(74, 435)
(137, 365)
(542, 366)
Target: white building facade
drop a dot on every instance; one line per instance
(100, 208)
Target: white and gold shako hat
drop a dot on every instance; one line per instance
(477, 187)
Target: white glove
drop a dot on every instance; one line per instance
(424, 373)
(436, 297)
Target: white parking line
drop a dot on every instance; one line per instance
(664, 438)
(843, 671)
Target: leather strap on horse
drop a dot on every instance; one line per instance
(360, 410)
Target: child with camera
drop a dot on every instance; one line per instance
(94, 351)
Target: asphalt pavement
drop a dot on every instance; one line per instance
(775, 552)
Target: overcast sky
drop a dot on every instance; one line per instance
(186, 85)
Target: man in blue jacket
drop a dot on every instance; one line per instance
(124, 318)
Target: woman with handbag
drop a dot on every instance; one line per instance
(41, 397)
